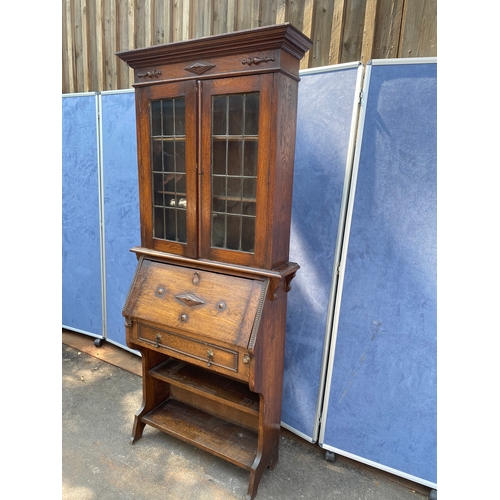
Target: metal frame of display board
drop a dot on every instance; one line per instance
(326, 127)
(338, 432)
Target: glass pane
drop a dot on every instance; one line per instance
(219, 112)
(158, 189)
(219, 194)
(169, 183)
(250, 158)
(219, 157)
(234, 187)
(233, 232)
(180, 184)
(218, 230)
(171, 226)
(159, 223)
(156, 118)
(236, 114)
(235, 120)
(234, 195)
(249, 188)
(179, 117)
(247, 234)
(181, 224)
(234, 149)
(219, 186)
(252, 114)
(168, 117)
(168, 152)
(157, 155)
(168, 156)
(248, 208)
(180, 156)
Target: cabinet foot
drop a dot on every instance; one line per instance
(99, 342)
(433, 495)
(137, 430)
(330, 456)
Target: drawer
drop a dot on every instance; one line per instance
(209, 354)
(194, 67)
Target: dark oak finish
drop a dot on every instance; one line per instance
(207, 305)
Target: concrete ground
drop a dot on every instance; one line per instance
(102, 392)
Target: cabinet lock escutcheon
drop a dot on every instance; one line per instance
(210, 356)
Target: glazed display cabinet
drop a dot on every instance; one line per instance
(216, 124)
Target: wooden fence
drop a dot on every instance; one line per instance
(342, 31)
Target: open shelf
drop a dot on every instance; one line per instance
(205, 431)
(208, 384)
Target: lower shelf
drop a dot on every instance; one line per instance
(207, 432)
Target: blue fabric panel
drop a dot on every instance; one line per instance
(81, 267)
(325, 107)
(382, 402)
(121, 205)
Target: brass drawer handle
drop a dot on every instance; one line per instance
(246, 359)
(210, 356)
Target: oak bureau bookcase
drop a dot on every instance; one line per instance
(206, 309)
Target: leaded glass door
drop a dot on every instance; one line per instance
(235, 137)
(168, 187)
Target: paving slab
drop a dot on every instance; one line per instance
(99, 401)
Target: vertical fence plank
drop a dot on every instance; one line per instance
(84, 69)
(418, 34)
(388, 29)
(336, 33)
(158, 22)
(99, 51)
(352, 36)
(64, 54)
(369, 30)
(281, 11)
(125, 40)
(200, 19)
(247, 14)
(219, 22)
(110, 61)
(140, 30)
(267, 12)
(70, 61)
(323, 16)
(307, 29)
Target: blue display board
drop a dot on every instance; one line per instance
(381, 402)
(326, 107)
(81, 239)
(120, 204)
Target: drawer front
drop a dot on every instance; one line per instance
(232, 65)
(209, 354)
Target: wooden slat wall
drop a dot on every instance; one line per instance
(342, 31)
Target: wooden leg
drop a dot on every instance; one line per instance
(268, 449)
(137, 429)
(154, 391)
